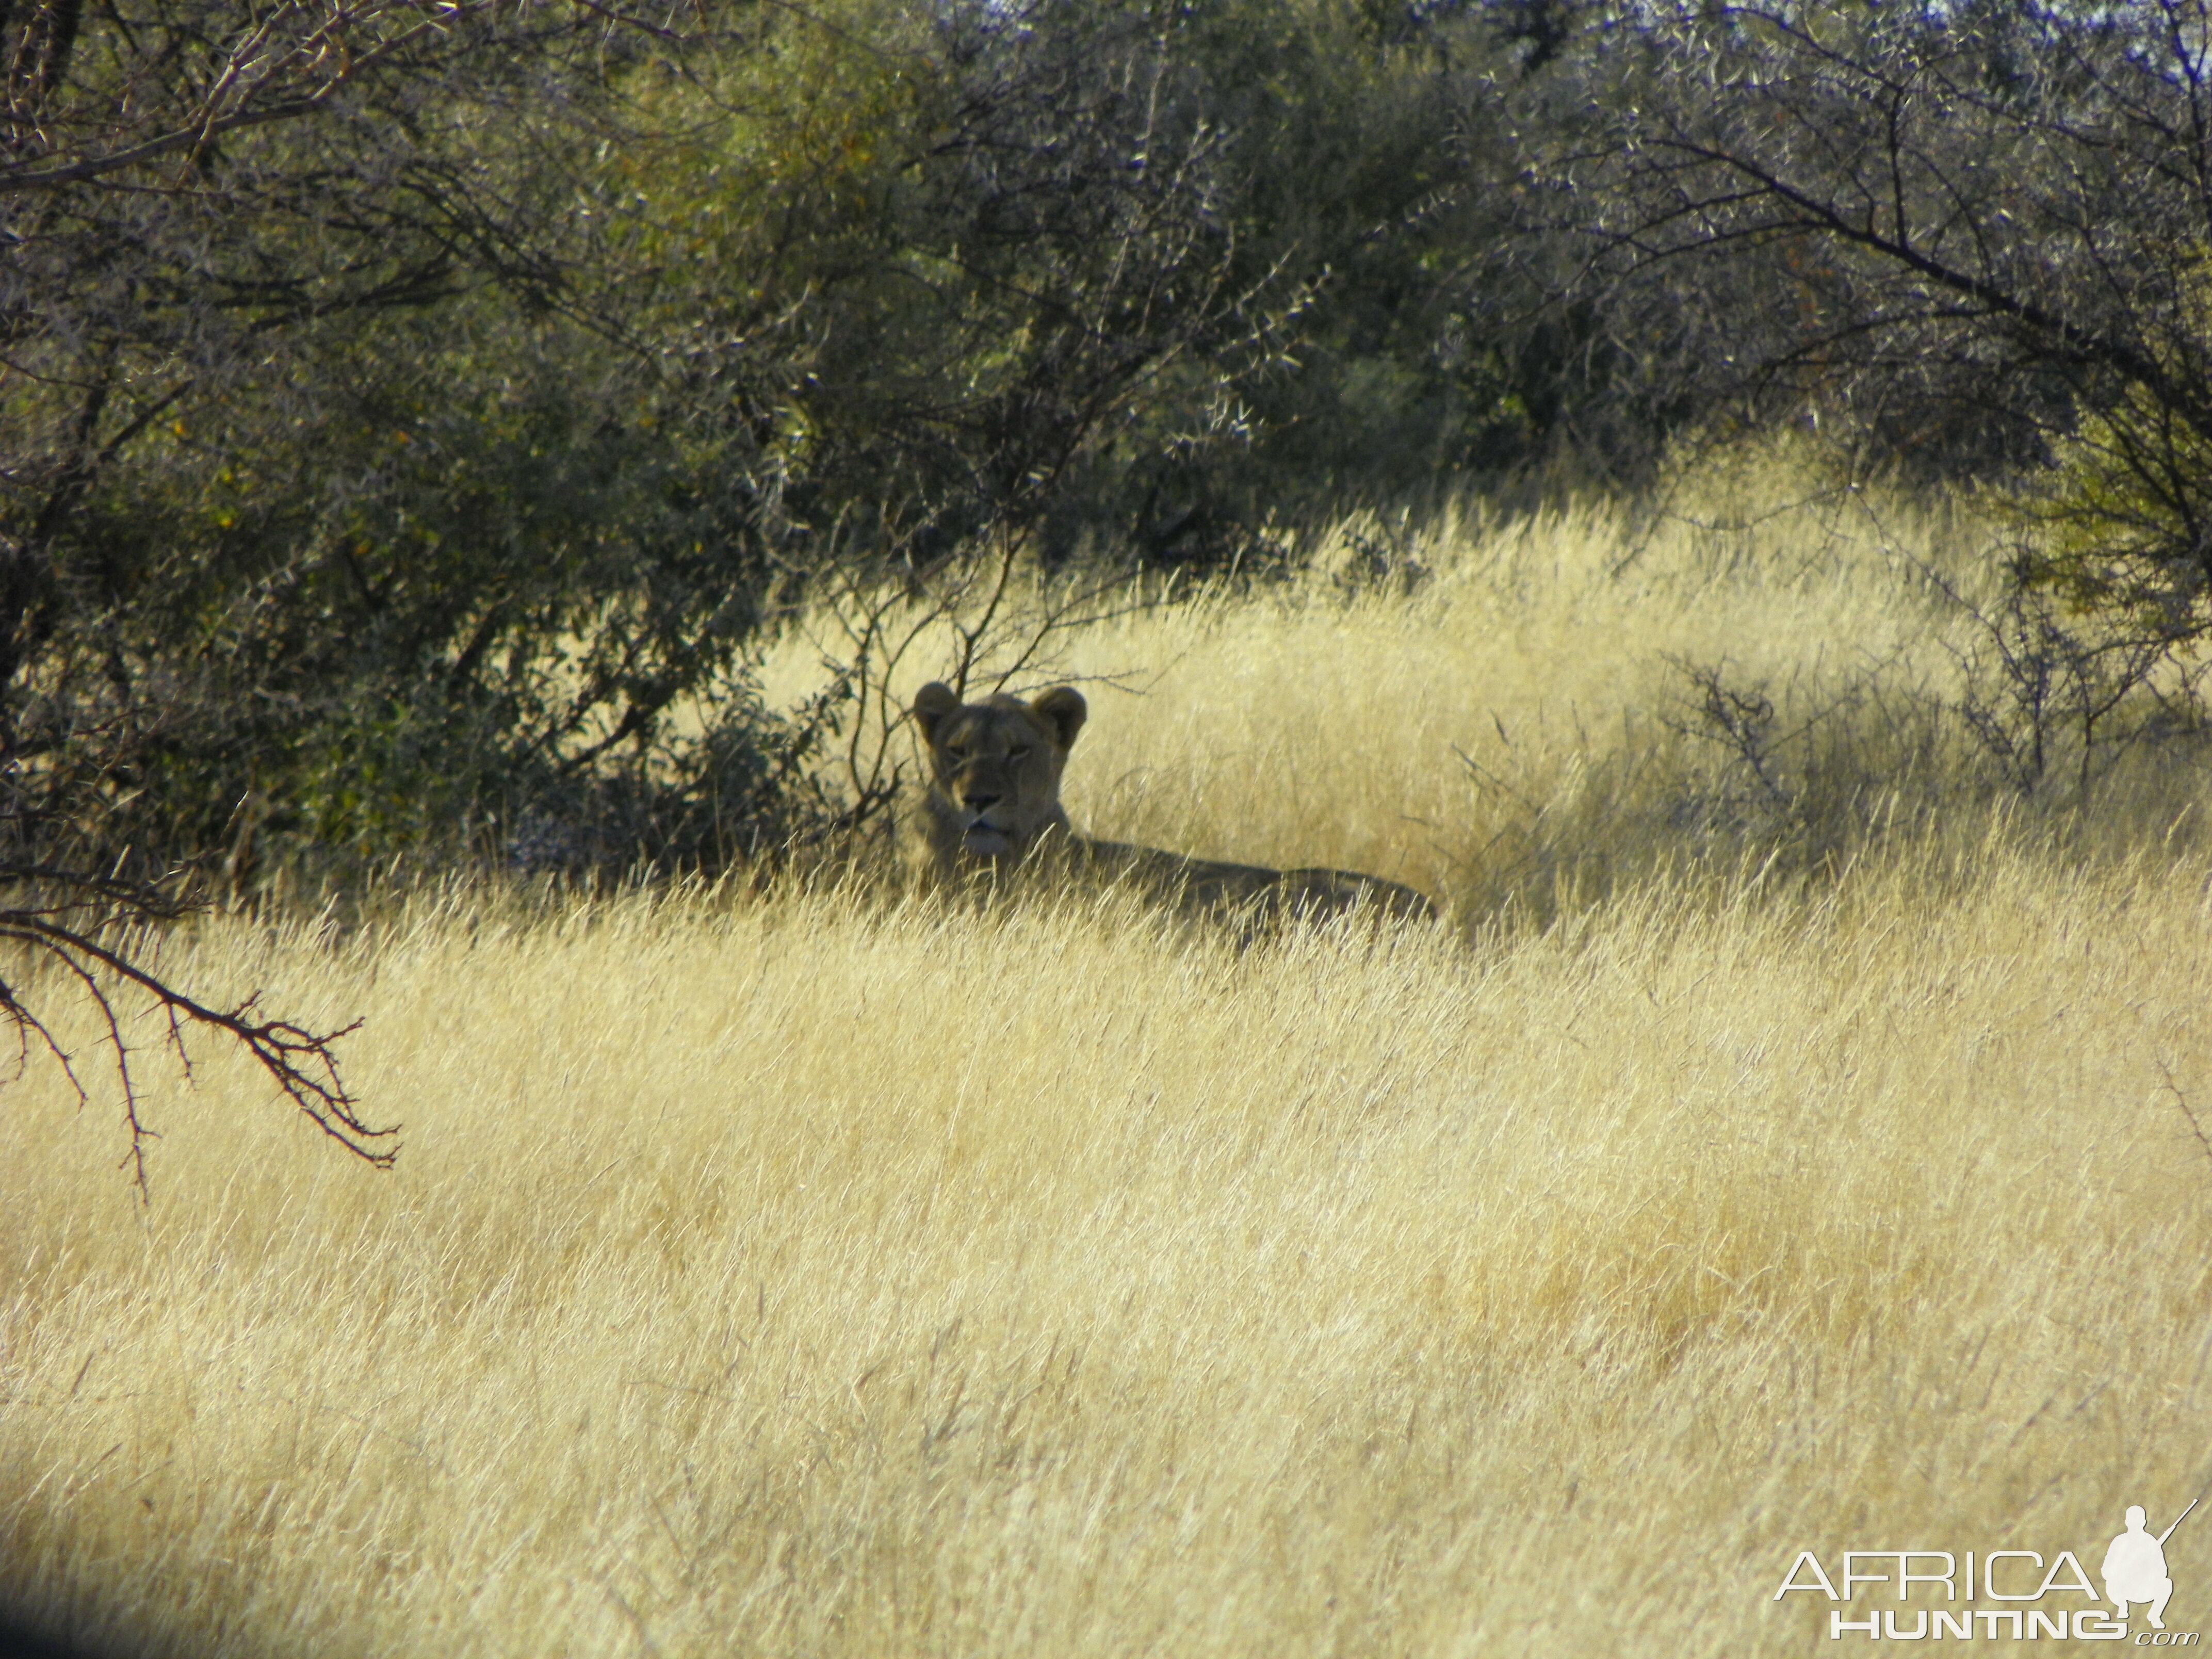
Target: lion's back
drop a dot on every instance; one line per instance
(1192, 885)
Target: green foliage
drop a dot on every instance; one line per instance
(2123, 523)
(469, 558)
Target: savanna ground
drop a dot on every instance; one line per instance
(1775, 1156)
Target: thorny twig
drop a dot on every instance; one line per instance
(302, 1062)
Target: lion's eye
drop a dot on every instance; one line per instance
(1019, 752)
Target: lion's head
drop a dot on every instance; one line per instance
(994, 768)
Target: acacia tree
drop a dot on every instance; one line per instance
(185, 187)
(1969, 233)
(1998, 210)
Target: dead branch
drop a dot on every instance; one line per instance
(81, 927)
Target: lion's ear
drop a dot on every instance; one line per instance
(932, 704)
(1064, 710)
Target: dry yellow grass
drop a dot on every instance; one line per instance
(1521, 732)
(802, 1276)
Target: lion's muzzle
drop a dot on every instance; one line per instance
(985, 840)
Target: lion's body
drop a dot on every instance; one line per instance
(992, 813)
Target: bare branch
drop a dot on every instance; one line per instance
(73, 929)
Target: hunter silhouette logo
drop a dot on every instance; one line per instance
(2034, 1598)
(2134, 1566)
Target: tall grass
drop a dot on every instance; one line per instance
(809, 1275)
(1509, 712)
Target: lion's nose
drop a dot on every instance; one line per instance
(979, 803)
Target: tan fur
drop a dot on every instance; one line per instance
(992, 807)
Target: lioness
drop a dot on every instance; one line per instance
(992, 804)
